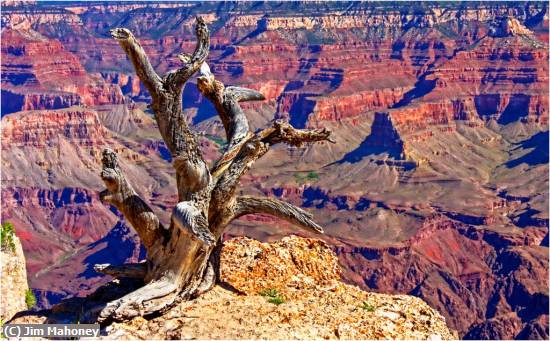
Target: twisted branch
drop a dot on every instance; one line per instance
(122, 195)
(284, 132)
(139, 59)
(280, 209)
(192, 174)
(175, 80)
(131, 270)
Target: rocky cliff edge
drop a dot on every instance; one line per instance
(289, 289)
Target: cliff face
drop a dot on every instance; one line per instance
(55, 201)
(14, 281)
(38, 73)
(302, 277)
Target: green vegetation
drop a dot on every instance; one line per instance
(274, 296)
(309, 177)
(276, 300)
(368, 307)
(7, 237)
(30, 299)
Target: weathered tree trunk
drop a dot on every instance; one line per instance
(182, 258)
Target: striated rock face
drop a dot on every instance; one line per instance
(38, 73)
(14, 281)
(469, 87)
(304, 275)
(39, 129)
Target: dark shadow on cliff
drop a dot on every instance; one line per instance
(539, 153)
(420, 89)
(517, 108)
(382, 140)
(84, 309)
(366, 149)
(118, 247)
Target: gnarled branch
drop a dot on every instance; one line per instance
(120, 194)
(139, 59)
(192, 172)
(280, 209)
(226, 185)
(155, 296)
(284, 132)
(236, 164)
(175, 80)
(244, 94)
(226, 101)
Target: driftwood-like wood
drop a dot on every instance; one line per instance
(183, 258)
(133, 270)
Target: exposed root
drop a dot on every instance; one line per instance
(154, 297)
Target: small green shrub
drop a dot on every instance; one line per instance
(368, 307)
(276, 300)
(218, 140)
(7, 237)
(309, 177)
(30, 299)
(274, 296)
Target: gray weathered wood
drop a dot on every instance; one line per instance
(132, 270)
(183, 258)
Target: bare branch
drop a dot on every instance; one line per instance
(226, 101)
(284, 132)
(236, 162)
(244, 94)
(155, 296)
(227, 157)
(139, 59)
(120, 193)
(131, 270)
(175, 80)
(226, 185)
(280, 209)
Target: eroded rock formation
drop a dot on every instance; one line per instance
(14, 280)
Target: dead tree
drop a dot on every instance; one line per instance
(182, 258)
